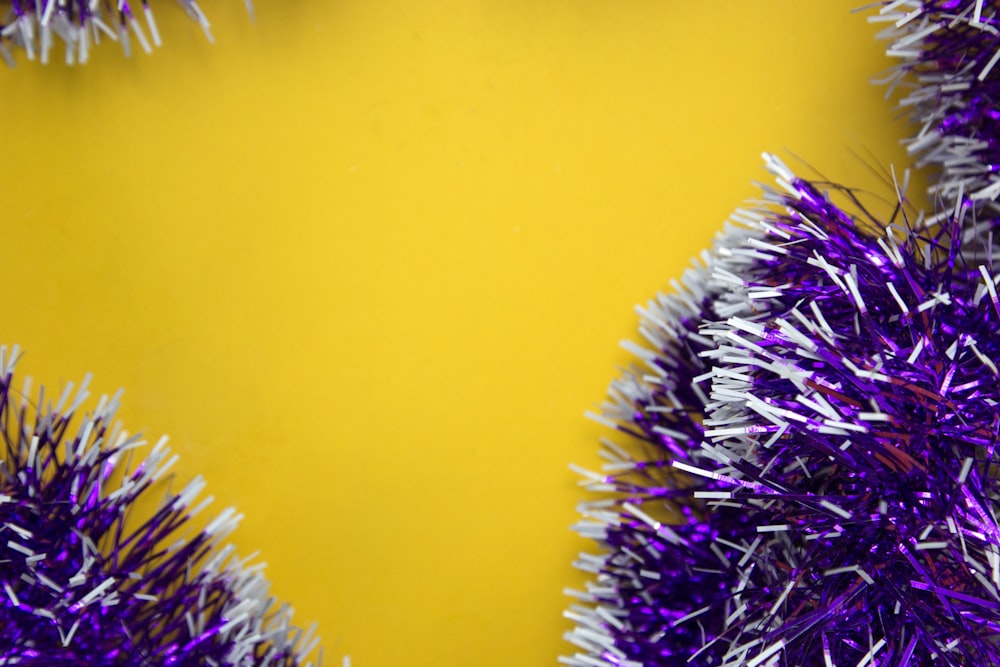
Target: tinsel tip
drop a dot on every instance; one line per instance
(102, 565)
(42, 28)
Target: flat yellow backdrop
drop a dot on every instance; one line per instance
(368, 263)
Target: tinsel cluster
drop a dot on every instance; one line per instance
(70, 29)
(803, 466)
(949, 75)
(101, 564)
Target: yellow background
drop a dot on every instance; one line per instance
(368, 263)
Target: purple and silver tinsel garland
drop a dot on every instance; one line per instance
(102, 566)
(805, 472)
(816, 481)
(74, 27)
(949, 73)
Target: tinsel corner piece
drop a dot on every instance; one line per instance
(75, 27)
(100, 569)
(810, 474)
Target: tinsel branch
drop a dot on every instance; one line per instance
(808, 476)
(805, 470)
(99, 570)
(74, 27)
(949, 75)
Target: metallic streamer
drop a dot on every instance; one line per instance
(949, 78)
(811, 476)
(97, 569)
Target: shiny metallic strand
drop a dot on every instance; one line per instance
(814, 482)
(621, 616)
(948, 77)
(857, 422)
(668, 580)
(70, 29)
(810, 474)
(100, 568)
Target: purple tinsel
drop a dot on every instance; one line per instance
(98, 570)
(856, 424)
(76, 26)
(950, 73)
(814, 483)
(630, 611)
(809, 477)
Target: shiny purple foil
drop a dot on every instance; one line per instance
(948, 78)
(101, 565)
(812, 475)
(857, 423)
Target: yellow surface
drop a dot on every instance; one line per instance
(368, 263)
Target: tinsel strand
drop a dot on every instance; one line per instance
(37, 27)
(814, 482)
(97, 570)
(949, 75)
